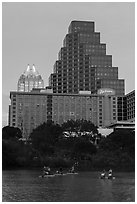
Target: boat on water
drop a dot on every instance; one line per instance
(106, 177)
(47, 173)
(57, 174)
(71, 173)
(46, 176)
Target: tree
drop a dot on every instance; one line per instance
(11, 133)
(82, 146)
(45, 136)
(123, 140)
(116, 151)
(11, 146)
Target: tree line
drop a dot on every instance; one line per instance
(63, 145)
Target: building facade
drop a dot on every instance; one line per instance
(131, 106)
(123, 125)
(83, 64)
(30, 79)
(30, 109)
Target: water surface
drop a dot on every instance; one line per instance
(26, 186)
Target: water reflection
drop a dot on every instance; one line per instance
(108, 186)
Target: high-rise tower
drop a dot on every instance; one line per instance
(83, 64)
(30, 79)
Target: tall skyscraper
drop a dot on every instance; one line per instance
(83, 64)
(30, 79)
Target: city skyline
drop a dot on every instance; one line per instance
(36, 35)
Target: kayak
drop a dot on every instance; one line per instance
(111, 178)
(47, 176)
(72, 173)
(53, 175)
(60, 174)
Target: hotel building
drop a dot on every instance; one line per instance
(30, 109)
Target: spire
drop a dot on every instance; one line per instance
(30, 74)
(28, 67)
(33, 68)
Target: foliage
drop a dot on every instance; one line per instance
(45, 136)
(49, 146)
(123, 140)
(11, 133)
(116, 151)
(83, 147)
(14, 152)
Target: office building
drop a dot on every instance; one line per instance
(83, 64)
(126, 107)
(30, 79)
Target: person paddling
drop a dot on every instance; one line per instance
(110, 174)
(72, 170)
(103, 174)
(46, 170)
(60, 171)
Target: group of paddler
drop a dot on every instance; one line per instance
(105, 174)
(47, 170)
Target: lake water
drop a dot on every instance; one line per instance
(26, 186)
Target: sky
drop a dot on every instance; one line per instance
(33, 33)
